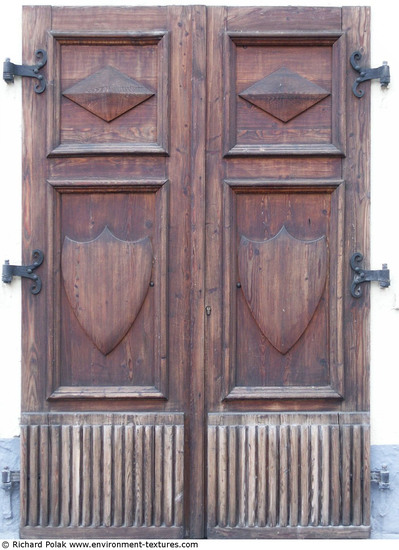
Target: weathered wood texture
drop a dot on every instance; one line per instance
(356, 171)
(288, 472)
(124, 284)
(198, 188)
(284, 94)
(260, 264)
(102, 471)
(133, 96)
(108, 93)
(297, 97)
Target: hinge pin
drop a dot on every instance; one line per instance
(381, 477)
(364, 276)
(8, 479)
(366, 73)
(11, 69)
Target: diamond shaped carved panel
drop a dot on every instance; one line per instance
(108, 93)
(284, 94)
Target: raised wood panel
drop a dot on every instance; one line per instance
(102, 475)
(260, 264)
(124, 283)
(109, 93)
(284, 94)
(257, 363)
(134, 364)
(288, 475)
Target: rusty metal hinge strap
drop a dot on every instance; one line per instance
(11, 69)
(383, 73)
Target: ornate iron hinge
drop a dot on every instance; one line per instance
(10, 271)
(363, 276)
(11, 69)
(368, 74)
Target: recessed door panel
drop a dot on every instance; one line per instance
(282, 288)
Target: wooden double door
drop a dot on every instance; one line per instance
(195, 365)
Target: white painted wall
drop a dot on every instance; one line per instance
(384, 213)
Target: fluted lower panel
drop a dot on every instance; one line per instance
(93, 471)
(287, 471)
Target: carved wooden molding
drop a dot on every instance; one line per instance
(296, 96)
(144, 302)
(96, 475)
(108, 93)
(282, 311)
(264, 309)
(284, 94)
(105, 291)
(280, 475)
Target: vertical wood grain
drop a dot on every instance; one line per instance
(346, 474)
(76, 476)
(148, 474)
(87, 476)
(314, 475)
(35, 332)
(33, 508)
(65, 475)
(110, 475)
(273, 480)
(356, 172)
(197, 103)
(168, 475)
(242, 475)
(325, 476)
(357, 500)
(222, 475)
(283, 485)
(107, 475)
(212, 475)
(261, 472)
(297, 471)
(139, 485)
(24, 486)
(335, 475)
(97, 476)
(179, 476)
(44, 478)
(294, 465)
(54, 472)
(305, 474)
(129, 475)
(252, 476)
(262, 475)
(366, 475)
(232, 476)
(118, 463)
(158, 477)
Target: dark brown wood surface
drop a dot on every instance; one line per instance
(290, 306)
(194, 364)
(296, 179)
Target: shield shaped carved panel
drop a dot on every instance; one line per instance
(283, 306)
(106, 281)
